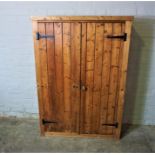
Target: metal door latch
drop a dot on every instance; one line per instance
(83, 88)
(47, 122)
(39, 36)
(123, 37)
(114, 125)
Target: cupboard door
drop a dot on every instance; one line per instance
(59, 59)
(100, 73)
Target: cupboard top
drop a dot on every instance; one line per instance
(82, 18)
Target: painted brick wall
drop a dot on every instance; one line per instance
(18, 95)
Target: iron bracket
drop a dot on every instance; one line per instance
(47, 122)
(114, 125)
(39, 36)
(123, 37)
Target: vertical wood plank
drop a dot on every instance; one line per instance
(67, 75)
(47, 88)
(119, 73)
(89, 76)
(43, 56)
(38, 75)
(97, 77)
(113, 77)
(83, 75)
(51, 75)
(75, 73)
(59, 75)
(122, 84)
(106, 62)
(44, 73)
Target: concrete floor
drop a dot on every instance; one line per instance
(22, 135)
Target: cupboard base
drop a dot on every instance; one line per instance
(49, 134)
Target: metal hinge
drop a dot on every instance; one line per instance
(47, 122)
(114, 125)
(123, 37)
(39, 36)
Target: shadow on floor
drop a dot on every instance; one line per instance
(22, 135)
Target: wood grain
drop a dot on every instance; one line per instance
(106, 62)
(38, 75)
(51, 76)
(67, 74)
(119, 73)
(44, 73)
(97, 77)
(83, 76)
(123, 74)
(75, 74)
(59, 76)
(74, 134)
(113, 76)
(89, 76)
(82, 18)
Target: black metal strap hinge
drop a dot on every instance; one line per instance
(114, 125)
(39, 36)
(123, 37)
(47, 122)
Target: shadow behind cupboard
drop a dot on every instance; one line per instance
(81, 67)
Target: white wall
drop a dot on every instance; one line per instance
(17, 70)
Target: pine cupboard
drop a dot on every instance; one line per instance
(81, 68)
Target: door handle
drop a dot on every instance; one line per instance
(83, 88)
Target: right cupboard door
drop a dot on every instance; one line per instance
(101, 59)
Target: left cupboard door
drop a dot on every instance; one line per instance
(57, 56)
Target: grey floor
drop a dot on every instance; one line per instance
(22, 135)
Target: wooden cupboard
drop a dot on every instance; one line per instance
(81, 67)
